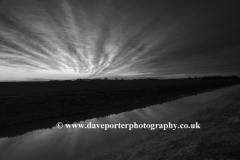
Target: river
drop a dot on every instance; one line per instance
(66, 144)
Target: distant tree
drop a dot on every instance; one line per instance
(234, 77)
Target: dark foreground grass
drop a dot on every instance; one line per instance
(218, 138)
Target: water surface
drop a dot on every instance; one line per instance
(49, 144)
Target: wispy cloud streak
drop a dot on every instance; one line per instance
(117, 38)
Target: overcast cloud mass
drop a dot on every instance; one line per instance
(66, 39)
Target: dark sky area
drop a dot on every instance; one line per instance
(67, 39)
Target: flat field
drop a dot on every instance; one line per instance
(30, 101)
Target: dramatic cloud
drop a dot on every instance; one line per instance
(64, 39)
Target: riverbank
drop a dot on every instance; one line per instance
(218, 138)
(20, 109)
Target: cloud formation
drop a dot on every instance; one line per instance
(135, 38)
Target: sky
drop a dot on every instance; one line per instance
(70, 39)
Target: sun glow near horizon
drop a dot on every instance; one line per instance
(64, 39)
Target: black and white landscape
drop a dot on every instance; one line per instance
(119, 61)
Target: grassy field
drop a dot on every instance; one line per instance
(33, 88)
(25, 107)
(218, 138)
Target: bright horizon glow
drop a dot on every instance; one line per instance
(71, 39)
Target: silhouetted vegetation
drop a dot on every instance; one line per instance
(216, 77)
(150, 79)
